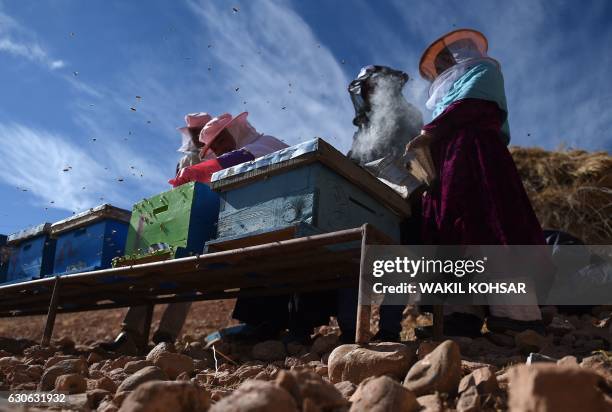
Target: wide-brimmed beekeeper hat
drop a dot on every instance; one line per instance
(213, 128)
(427, 66)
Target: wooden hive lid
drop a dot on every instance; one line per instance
(89, 217)
(316, 150)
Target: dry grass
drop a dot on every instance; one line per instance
(570, 190)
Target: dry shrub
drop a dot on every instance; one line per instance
(570, 190)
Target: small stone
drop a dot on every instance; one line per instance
(438, 371)
(149, 373)
(104, 383)
(355, 363)
(96, 396)
(135, 366)
(72, 383)
(568, 361)
(482, 379)
(305, 384)
(63, 367)
(270, 350)
(325, 343)
(94, 358)
(549, 387)
(254, 395)
(173, 364)
(161, 396)
(469, 401)
(346, 388)
(382, 394)
(529, 341)
(425, 348)
(431, 403)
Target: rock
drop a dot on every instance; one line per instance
(149, 373)
(548, 387)
(117, 375)
(72, 383)
(54, 360)
(104, 383)
(355, 363)
(482, 379)
(63, 367)
(247, 371)
(568, 361)
(161, 347)
(160, 396)
(324, 343)
(560, 327)
(270, 350)
(94, 357)
(469, 401)
(469, 367)
(600, 364)
(172, 363)
(9, 362)
(382, 394)
(296, 349)
(431, 403)
(119, 362)
(425, 348)
(95, 397)
(308, 386)
(529, 341)
(439, 371)
(197, 351)
(78, 402)
(256, 396)
(135, 366)
(346, 388)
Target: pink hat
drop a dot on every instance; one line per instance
(195, 120)
(212, 129)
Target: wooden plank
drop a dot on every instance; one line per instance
(285, 233)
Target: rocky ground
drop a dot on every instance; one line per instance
(573, 369)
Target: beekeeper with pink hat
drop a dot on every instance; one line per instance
(190, 133)
(226, 141)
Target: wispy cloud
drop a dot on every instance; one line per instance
(57, 172)
(15, 39)
(74, 173)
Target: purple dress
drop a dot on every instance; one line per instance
(479, 198)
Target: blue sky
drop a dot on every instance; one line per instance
(71, 72)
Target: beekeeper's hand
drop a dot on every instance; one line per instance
(423, 139)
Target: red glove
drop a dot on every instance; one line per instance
(202, 172)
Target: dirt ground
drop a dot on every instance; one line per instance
(88, 327)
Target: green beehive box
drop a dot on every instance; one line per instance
(170, 225)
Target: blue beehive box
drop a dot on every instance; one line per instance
(307, 185)
(4, 258)
(32, 252)
(89, 240)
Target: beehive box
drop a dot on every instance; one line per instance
(4, 258)
(32, 252)
(172, 224)
(90, 240)
(310, 183)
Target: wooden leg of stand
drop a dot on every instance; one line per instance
(363, 332)
(147, 328)
(46, 338)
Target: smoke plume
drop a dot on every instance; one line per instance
(393, 122)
